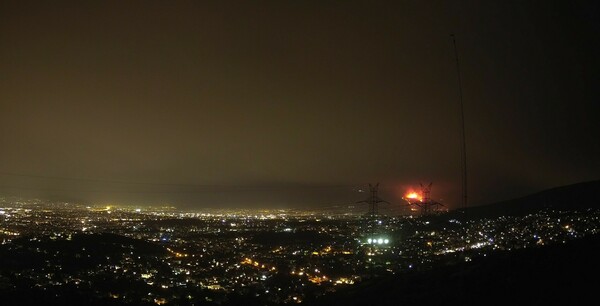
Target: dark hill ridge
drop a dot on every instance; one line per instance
(571, 197)
(564, 274)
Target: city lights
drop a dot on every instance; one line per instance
(232, 251)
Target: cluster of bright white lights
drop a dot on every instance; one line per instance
(378, 241)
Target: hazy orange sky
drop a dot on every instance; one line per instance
(294, 103)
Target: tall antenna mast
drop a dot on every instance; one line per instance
(463, 147)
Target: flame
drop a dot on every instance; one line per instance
(412, 195)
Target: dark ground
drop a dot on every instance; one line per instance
(564, 274)
(560, 274)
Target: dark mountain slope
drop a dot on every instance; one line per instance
(572, 197)
(561, 274)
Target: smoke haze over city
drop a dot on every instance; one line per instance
(294, 104)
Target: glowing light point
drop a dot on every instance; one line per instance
(413, 196)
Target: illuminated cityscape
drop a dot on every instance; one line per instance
(268, 153)
(166, 256)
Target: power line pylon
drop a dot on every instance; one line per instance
(424, 202)
(373, 201)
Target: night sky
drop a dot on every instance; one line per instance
(295, 103)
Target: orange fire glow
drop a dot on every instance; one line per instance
(413, 196)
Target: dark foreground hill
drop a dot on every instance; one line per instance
(564, 274)
(572, 197)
